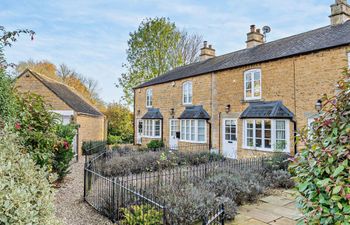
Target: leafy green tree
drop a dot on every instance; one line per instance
(7, 38)
(156, 47)
(8, 102)
(321, 169)
(120, 125)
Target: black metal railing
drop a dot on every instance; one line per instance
(134, 196)
(216, 217)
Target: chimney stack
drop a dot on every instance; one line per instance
(254, 37)
(340, 12)
(207, 52)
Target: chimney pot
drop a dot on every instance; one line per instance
(207, 52)
(254, 37)
(252, 28)
(340, 12)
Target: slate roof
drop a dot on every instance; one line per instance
(153, 113)
(272, 110)
(315, 40)
(66, 94)
(194, 112)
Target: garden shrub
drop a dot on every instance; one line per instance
(114, 139)
(8, 104)
(93, 147)
(279, 179)
(321, 169)
(63, 153)
(239, 187)
(36, 128)
(137, 162)
(142, 214)
(25, 193)
(155, 144)
(189, 203)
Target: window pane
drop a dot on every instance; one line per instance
(256, 88)
(258, 142)
(201, 130)
(250, 142)
(182, 129)
(227, 137)
(256, 75)
(188, 130)
(157, 128)
(281, 135)
(267, 143)
(193, 129)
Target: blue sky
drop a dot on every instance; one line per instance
(91, 35)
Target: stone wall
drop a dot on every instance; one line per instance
(297, 81)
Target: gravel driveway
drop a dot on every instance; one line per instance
(70, 207)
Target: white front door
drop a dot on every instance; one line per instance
(229, 138)
(139, 132)
(173, 129)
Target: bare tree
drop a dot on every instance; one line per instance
(189, 46)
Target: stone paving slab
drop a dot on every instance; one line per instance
(284, 221)
(283, 211)
(277, 209)
(276, 200)
(262, 215)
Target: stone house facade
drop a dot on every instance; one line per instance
(69, 104)
(249, 102)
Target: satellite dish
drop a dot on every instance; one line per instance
(266, 29)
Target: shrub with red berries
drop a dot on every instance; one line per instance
(321, 169)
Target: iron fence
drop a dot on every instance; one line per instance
(134, 196)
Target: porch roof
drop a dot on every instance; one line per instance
(194, 112)
(153, 113)
(272, 110)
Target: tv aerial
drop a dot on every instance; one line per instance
(266, 29)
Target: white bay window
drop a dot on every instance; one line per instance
(193, 130)
(266, 134)
(152, 128)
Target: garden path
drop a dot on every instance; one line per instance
(276, 209)
(70, 207)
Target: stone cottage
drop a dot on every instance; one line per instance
(248, 102)
(67, 103)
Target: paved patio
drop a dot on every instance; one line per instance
(276, 209)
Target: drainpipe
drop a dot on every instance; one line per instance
(162, 135)
(220, 132)
(210, 144)
(134, 119)
(295, 136)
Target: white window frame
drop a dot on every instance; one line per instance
(273, 135)
(187, 96)
(192, 123)
(149, 98)
(149, 128)
(251, 73)
(348, 60)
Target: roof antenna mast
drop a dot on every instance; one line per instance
(266, 29)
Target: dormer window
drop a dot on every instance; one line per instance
(187, 93)
(149, 96)
(252, 84)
